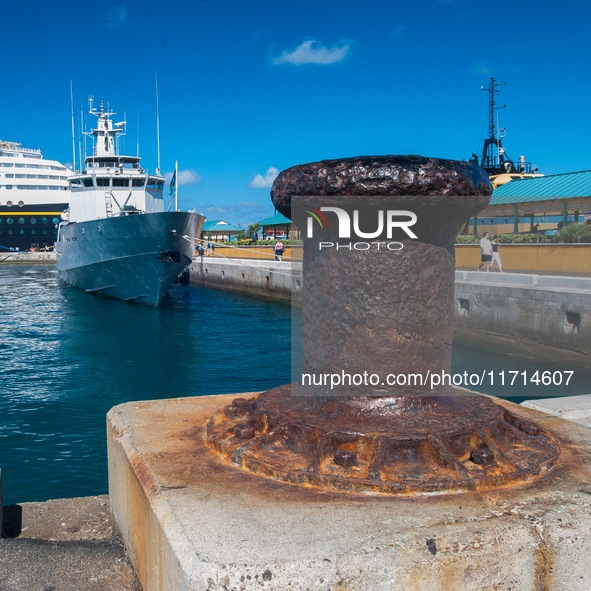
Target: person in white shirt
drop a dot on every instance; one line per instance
(486, 252)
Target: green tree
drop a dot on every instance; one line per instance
(575, 233)
(254, 229)
(241, 234)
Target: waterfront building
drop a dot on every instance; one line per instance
(220, 230)
(278, 226)
(536, 205)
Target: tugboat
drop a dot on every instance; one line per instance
(500, 168)
(116, 239)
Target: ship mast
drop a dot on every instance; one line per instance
(489, 162)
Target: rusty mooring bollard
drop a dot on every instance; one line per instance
(380, 310)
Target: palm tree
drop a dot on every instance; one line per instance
(254, 229)
(575, 233)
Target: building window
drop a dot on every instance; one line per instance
(43, 220)
(9, 176)
(33, 220)
(102, 182)
(21, 220)
(56, 220)
(9, 221)
(33, 232)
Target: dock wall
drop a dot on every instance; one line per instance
(538, 311)
(18, 258)
(541, 311)
(269, 279)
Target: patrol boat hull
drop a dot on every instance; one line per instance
(130, 257)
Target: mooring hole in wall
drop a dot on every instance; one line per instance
(464, 307)
(572, 322)
(267, 281)
(223, 273)
(242, 276)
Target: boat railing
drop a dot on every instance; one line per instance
(14, 147)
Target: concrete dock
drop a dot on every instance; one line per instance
(193, 522)
(72, 544)
(63, 545)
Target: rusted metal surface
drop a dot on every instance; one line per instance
(418, 445)
(385, 313)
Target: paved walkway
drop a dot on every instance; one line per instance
(551, 273)
(63, 545)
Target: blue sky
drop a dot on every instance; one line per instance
(247, 89)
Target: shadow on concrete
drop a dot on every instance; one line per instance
(12, 521)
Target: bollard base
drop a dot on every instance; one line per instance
(411, 445)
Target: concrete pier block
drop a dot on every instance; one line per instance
(192, 522)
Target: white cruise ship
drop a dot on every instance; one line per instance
(33, 194)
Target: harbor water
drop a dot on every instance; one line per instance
(68, 357)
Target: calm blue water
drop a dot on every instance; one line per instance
(68, 357)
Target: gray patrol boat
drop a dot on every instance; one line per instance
(116, 239)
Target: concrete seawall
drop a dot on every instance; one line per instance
(270, 279)
(538, 311)
(44, 258)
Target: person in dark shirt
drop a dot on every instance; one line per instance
(496, 257)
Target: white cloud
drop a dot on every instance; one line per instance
(480, 68)
(264, 182)
(398, 31)
(186, 177)
(311, 52)
(117, 16)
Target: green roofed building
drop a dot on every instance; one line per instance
(278, 226)
(536, 204)
(220, 230)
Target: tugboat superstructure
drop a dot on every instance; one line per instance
(494, 159)
(33, 194)
(116, 238)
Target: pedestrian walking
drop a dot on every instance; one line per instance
(486, 252)
(496, 257)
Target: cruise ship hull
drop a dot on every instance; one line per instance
(132, 258)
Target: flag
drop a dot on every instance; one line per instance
(172, 182)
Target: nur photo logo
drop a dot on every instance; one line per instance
(387, 222)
